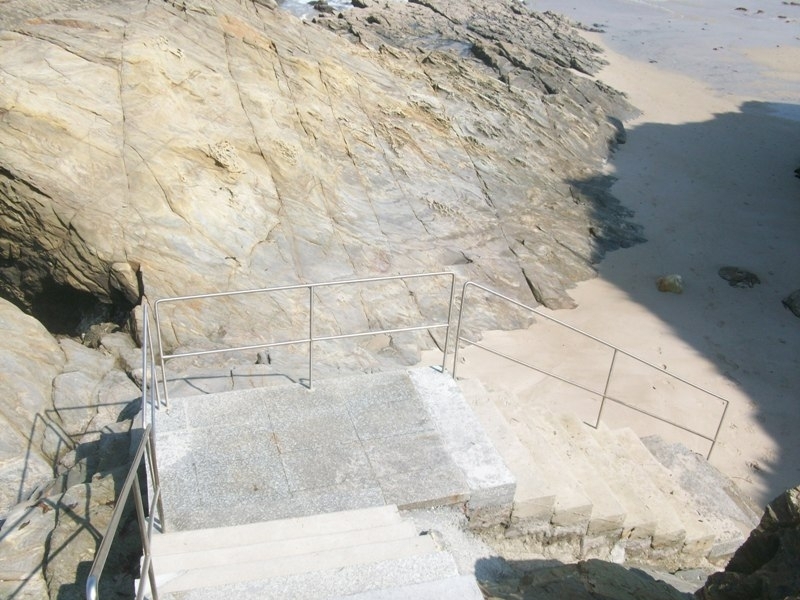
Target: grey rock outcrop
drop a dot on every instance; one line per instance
(32, 359)
(47, 546)
(59, 397)
(792, 302)
(765, 566)
(62, 445)
(738, 277)
(168, 148)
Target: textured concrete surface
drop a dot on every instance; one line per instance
(393, 438)
(373, 553)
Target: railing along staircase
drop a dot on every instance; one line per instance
(145, 453)
(143, 458)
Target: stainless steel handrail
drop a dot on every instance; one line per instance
(604, 393)
(310, 339)
(146, 450)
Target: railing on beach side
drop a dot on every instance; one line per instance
(145, 456)
(603, 393)
(311, 338)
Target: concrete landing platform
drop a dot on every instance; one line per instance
(406, 438)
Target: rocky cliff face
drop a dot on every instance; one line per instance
(65, 415)
(166, 148)
(181, 146)
(765, 567)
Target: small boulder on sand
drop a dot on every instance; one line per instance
(670, 283)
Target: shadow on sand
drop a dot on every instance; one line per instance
(717, 193)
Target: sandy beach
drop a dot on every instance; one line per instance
(708, 171)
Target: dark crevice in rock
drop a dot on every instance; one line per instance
(532, 287)
(63, 310)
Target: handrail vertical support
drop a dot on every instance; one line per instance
(161, 356)
(605, 389)
(145, 333)
(310, 333)
(449, 321)
(458, 329)
(719, 428)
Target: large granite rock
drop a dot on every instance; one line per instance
(47, 546)
(59, 397)
(765, 567)
(165, 148)
(65, 447)
(31, 359)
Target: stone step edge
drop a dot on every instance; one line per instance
(710, 492)
(533, 498)
(491, 484)
(608, 514)
(458, 587)
(235, 553)
(279, 529)
(670, 531)
(341, 582)
(572, 507)
(337, 558)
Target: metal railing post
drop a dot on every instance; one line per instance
(145, 333)
(449, 321)
(458, 328)
(605, 389)
(310, 334)
(162, 360)
(716, 434)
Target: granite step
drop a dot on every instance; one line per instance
(653, 530)
(708, 496)
(322, 556)
(699, 536)
(180, 542)
(615, 496)
(427, 577)
(535, 494)
(406, 438)
(572, 507)
(638, 486)
(608, 514)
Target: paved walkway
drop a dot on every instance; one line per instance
(406, 438)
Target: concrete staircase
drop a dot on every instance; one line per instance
(303, 487)
(365, 554)
(285, 492)
(597, 493)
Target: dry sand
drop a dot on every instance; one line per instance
(708, 171)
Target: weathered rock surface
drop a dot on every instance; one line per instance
(174, 147)
(31, 359)
(47, 546)
(58, 398)
(63, 439)
(765, 566)
(738, 277)
(792, 302)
